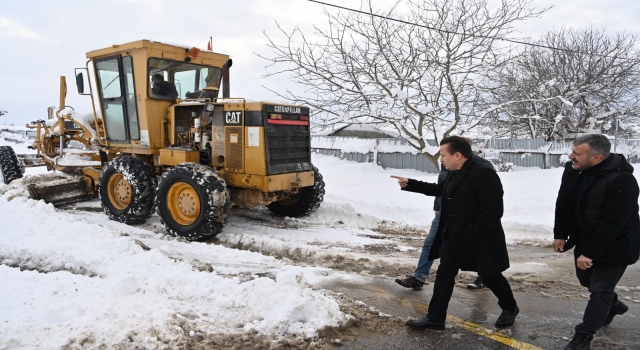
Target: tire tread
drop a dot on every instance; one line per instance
(143, 184)
(9, 164)
(215, 212)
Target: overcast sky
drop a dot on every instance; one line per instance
(41, 40)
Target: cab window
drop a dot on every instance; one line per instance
(110, 87)
(169, 80)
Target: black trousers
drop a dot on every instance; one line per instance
(601, 283)
(445, 282)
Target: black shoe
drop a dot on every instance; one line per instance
(616, 309)
(425, 323)
(477, 284)
(507, 318)
(580, 341)
(410, 282)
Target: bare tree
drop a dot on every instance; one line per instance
(579, 87)
(417, 79)
(2, 113)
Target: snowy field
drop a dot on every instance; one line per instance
(69, 277)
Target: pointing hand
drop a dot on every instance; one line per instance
(402, 181)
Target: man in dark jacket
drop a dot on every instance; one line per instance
(470, 235)
(419, 277)
(597, 212)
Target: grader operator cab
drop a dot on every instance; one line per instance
(161, 138)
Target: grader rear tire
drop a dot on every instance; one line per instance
(304, 203)
(192, 201)
(10, 168)
(127, 190)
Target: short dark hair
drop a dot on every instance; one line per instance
(457, 144)
(158, 76)
(598, 143)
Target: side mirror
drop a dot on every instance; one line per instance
(80, 83)
(80, 80)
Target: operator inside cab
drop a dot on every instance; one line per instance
(162, 88)
(202, 93)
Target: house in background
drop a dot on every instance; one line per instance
(361, 131)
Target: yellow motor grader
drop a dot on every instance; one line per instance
(161, 139)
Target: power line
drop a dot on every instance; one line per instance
(456, 33)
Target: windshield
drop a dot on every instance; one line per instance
(169, 80)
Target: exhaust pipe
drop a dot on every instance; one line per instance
(226, 89)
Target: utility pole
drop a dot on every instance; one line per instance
(615, 144)
(615, 127)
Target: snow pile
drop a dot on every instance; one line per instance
(364, 194)
(77, 160)
(19, 141)
(18, 187)
(82, 284)
(83, 119)
(270, 246)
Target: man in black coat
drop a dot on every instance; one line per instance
(470, 235)
(419, 277)
(597, 212)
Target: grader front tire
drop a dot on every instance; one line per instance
(192, 201)
(127, 190)
(9, 165)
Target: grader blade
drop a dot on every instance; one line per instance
(62, 190)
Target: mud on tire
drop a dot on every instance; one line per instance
(10, 166)
(193, 201)
(304, 203)
(127, 190)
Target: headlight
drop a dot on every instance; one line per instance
(210, 107)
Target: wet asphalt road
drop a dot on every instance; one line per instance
(542, 322)
(546, 319)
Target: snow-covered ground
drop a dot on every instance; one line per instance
(71, 277)
(18, 140)
(67, 280)
(364, 194)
